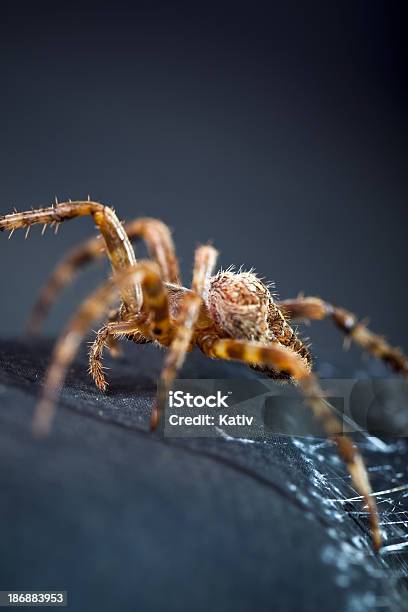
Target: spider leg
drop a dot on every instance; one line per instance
(278, 357)
(117, 243)
(313, 308)
(175, 356)
(107, 337)
(160, 246)
(159, 327)
(204, 263)
(112, 342)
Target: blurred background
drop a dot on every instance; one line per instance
(278, 132)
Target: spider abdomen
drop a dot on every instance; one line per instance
(243, 307)
(239, 305)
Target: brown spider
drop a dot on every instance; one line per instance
(228, 315)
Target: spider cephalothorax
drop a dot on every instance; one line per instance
(227, 315)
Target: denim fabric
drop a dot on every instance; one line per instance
(124, 519)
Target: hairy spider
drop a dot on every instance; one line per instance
(229, 315)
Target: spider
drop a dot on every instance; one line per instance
(228, 315)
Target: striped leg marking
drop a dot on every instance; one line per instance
(313, 308)
(281, 358)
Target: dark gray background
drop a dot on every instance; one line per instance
(279, 132)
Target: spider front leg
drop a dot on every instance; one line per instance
(147, 275)
(313, 308)
(117, 243)
(278, 357)
(184, 327)
(157, 237)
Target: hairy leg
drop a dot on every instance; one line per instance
(117, 243)
(204, 263)
(176, 354)
(147, 275)
(205, 260)
(112, 342)
(313, 308)
(160, 246)
(107, 337)
(278, 357)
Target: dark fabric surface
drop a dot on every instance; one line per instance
(128, 520)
